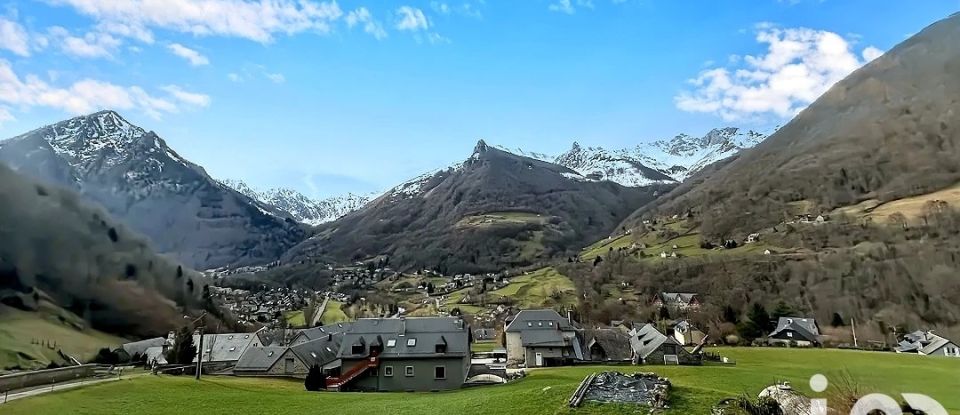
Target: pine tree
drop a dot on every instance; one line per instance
(184, 350)
(782, 310)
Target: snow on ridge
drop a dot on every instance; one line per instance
(300, 207)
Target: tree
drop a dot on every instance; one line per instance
(782, 310)
(106, 357)
(664, 313)
(183, 351)
(757, 323)
(597, 260)
(729, 315)
(315, 380)
(837, 320)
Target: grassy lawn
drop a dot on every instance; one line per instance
(295, 318)
(24, 337)
(485, 346)
(333, 313)
(537, 289)
(544, 391)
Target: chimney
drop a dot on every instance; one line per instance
(403, 326)
(330, 337)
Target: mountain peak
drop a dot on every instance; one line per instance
(481, 147)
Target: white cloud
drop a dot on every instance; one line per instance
(84, 96)
(411, 19)
(189, 98)
(362, 16)
(14, 38)
(276, 78)
(90, 45)
(235, 77)
(192, 56)
(870, 53)
(440, 7)
(569, 6)
(467, 8)
(258, 20)
(798, 66)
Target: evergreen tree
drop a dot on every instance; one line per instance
(184, 350)
(782, 310)
(315, 380)
(729, 315)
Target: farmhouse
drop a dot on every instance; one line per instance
(223, 351)
(129, 351)
(537, 338)
(404, 354)
(687, 334)
(799, 331)
(678, 301)
(651, 347)
(926, 343)
(291, 361)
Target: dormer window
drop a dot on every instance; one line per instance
(411, 342)
(529, 324)
(392, 343)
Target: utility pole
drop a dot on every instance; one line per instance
(853, 326)
(200, 354)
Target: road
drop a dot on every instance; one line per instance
(317, 314)
(63, 386)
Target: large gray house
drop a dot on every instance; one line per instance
(404, 354)
(536, 338)
(798, 331)
(651, 347)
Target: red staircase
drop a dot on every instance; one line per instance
(336, 383)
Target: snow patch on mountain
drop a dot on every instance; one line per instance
(300, 207)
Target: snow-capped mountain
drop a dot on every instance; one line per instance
(658, 162)
(140, 180)
(684, 155)
(300, 207)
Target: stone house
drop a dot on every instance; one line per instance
(651, 347)
(537, 338)
(796, 331)
(927, 343)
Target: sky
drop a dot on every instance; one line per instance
(329, 97)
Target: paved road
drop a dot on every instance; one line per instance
(63, 386)
(317, 314)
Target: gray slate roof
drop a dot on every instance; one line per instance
(538, 319)
(923, 342)
(805, 327)
(319, 352)
(395, 335)
(543, 338)
(677, 298)
(647, 339)
(259, 358)
(140, 347)
(322, 331)
(224, 347)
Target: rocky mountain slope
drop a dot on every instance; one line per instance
(54, 243)
(890, 129)
(300, 207)
(141, 181)
(496, 209)
(658, 162)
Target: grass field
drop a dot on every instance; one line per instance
(539, 289)
(24, 337)
(485, 346)
(333, 313)
(295, 318)
(913, 208)
(542, 392)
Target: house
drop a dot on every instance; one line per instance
(319, 332)
(404, 354)
(799, 331)
(677, 301)
(138, 350)
(607, 345)
(926, 343)
(291, 361)
(537, 338)
(753, 237)
(651, 347)
(687, 334)
(259, 360)
(484, 334)
(156, 355)
(223, 351)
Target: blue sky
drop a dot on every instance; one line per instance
(358, 95)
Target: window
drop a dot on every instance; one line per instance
(440, 348)
(388, 371)
(529, 324)
(540, 323)
(411, 342)
(790, 334)
(408, 371)
(440, 372)
(550, 323)
(392, 343)
(357, 349)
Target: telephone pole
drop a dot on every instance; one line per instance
(853, 326)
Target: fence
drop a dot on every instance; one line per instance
(45, 377)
